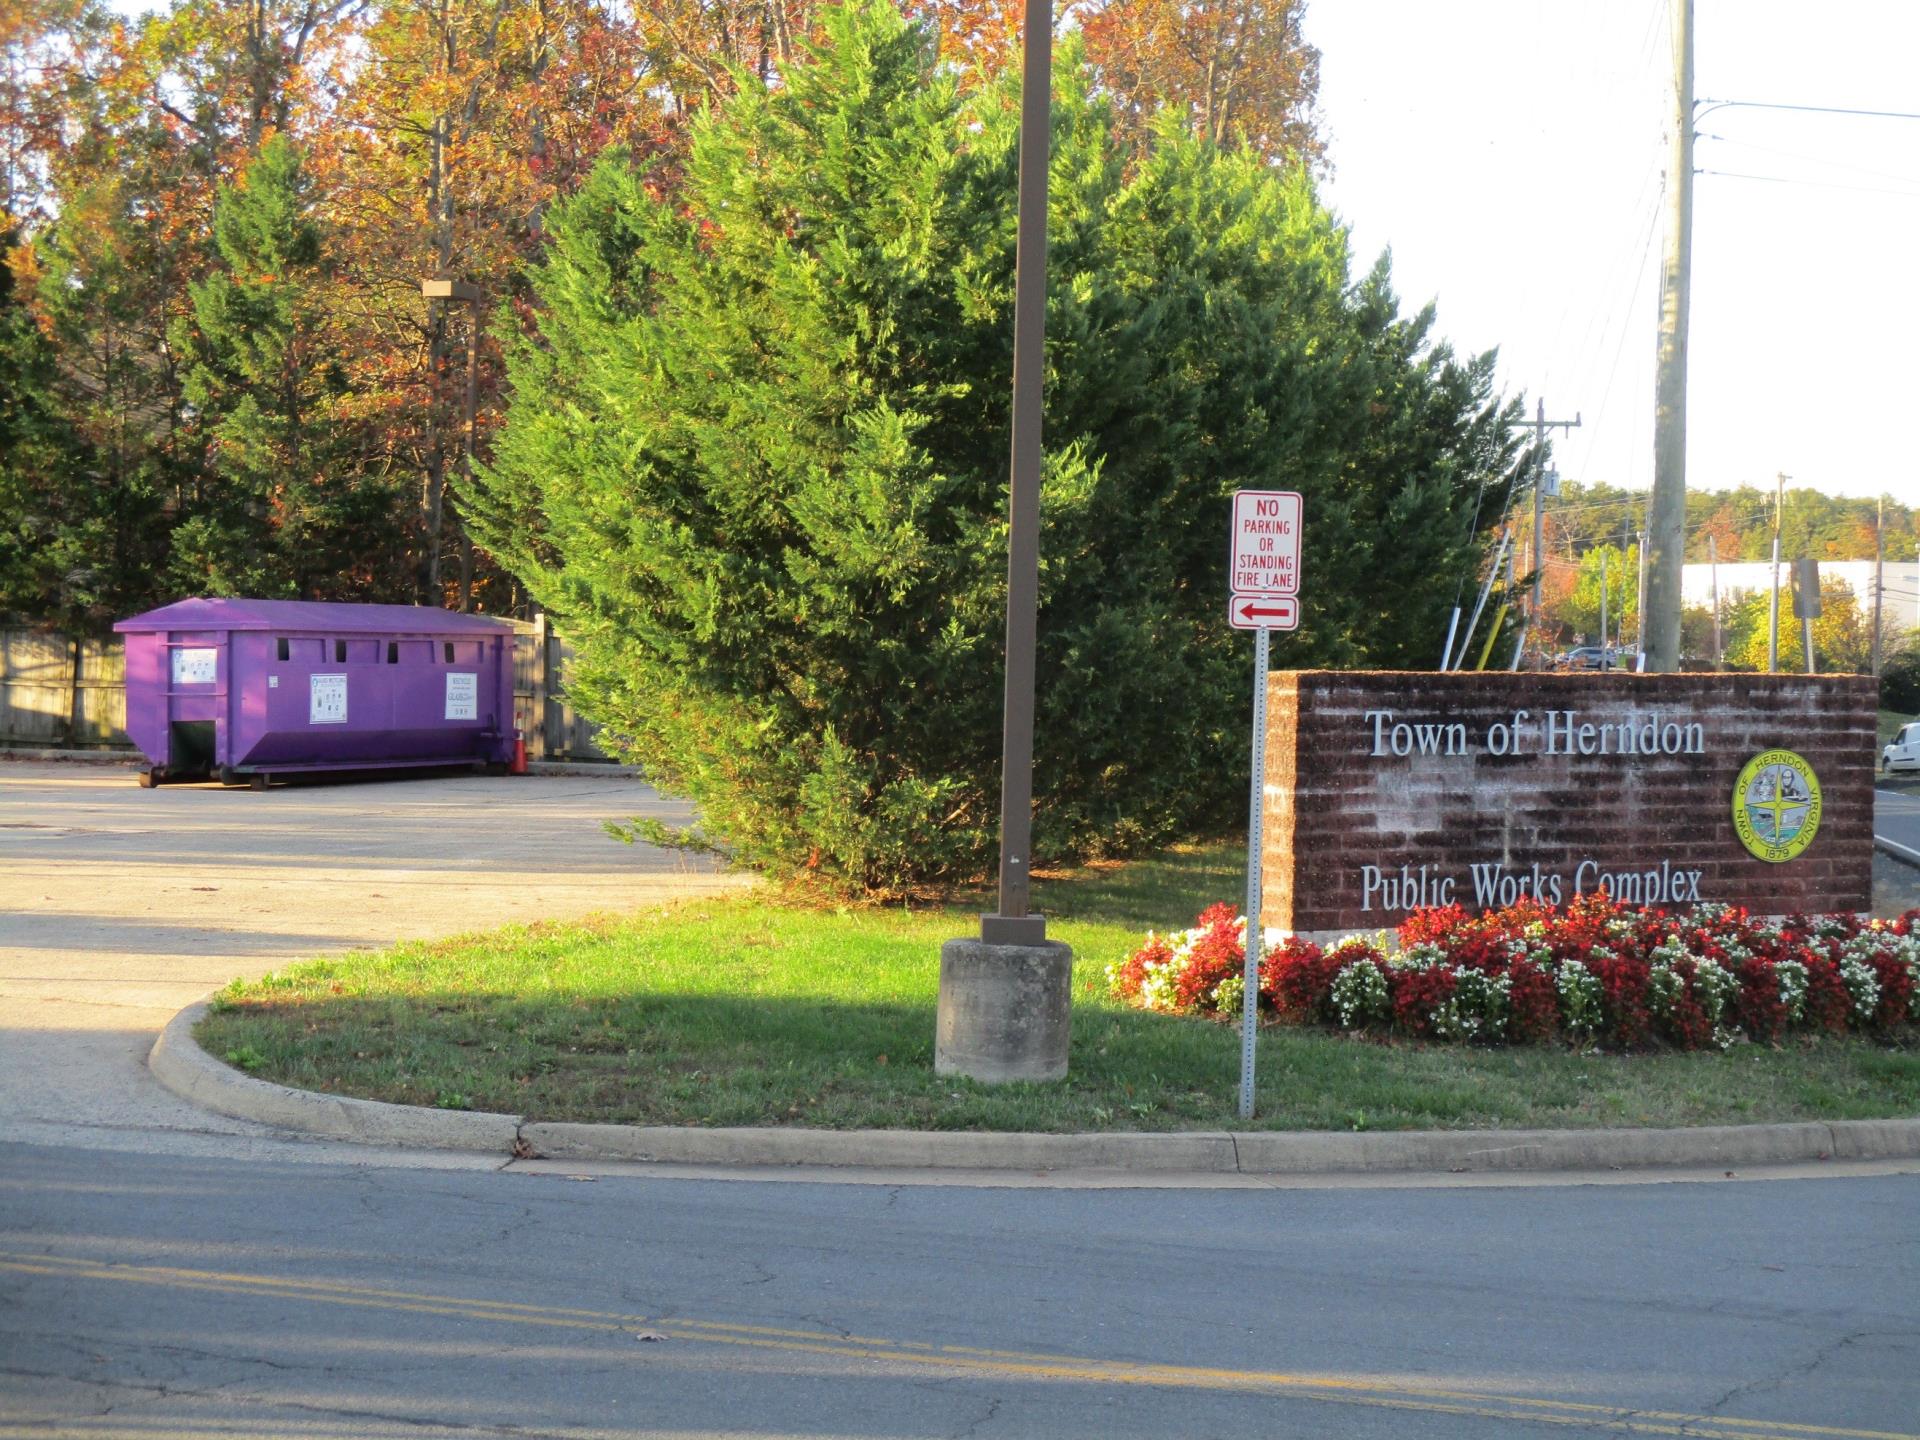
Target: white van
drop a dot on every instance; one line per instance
(1904, 752)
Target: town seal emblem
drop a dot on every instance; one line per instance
(1776, 805)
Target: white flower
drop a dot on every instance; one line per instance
(1359, 993)
(1863, 986)
(1791, 977)
(1580, 995)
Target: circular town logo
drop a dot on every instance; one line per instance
(1776, 805)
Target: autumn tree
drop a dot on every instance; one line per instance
(464, 123)
(1842, 640)
(435, 135)
(1603, 571)
(153, 117)
(1238, 72)
(44, 48)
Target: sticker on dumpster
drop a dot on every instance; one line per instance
(463, 696)
(195, 666)
(327, 700)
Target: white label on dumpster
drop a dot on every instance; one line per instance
(463, 696)
(327, 700)
(195, 667)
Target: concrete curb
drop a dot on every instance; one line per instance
(128, 755)
(178, 1062)
(600, 768)
(103, 755)
(184, 1068)
(1897, 850)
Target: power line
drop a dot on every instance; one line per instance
(1812, 184)
(1633, 303)
(1703, 105)
(1822, 160)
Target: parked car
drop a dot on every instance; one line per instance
(1590, 657)
(1903, 753)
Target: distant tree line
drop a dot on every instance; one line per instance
(1592, 549)
(1737, 522)
(217, 370)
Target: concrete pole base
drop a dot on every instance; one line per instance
(1006, 1011)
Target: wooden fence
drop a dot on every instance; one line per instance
(57, 690)
(554, 729)
(60, 692)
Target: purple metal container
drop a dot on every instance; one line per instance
(251, 688)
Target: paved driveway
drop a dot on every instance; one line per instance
(120, 905)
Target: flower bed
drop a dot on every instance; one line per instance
(1591, 972)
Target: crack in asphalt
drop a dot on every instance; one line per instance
(159, 1390)
(1798, 1371)
(972, 1427)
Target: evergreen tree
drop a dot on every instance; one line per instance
(755, 462)
(92, 527)
(47, 526)
(290, 511)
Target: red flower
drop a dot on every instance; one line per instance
(1295, 977)
(1416, 994)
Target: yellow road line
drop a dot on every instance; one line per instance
(1374, 1392)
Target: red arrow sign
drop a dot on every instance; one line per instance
(1264, 612)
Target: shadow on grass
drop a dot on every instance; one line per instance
(702, 1059)
(1162, 893)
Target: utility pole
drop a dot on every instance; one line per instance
(1640, 602)
(1540, 425)
(1879, 576)
(1773, 606)
(1603, 604)
(1626, 583)
(1713, 567)
(1666, 522)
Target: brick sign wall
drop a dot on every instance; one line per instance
(1389, 791)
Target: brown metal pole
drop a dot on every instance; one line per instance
(1013, 925)
(473, 434)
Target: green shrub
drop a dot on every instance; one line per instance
(755, 463)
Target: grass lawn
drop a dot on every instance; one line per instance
(746, 1011)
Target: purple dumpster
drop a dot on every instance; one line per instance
(247, 689)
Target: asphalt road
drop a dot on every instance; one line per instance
(119, 906)
(1896, 817)
(146, 1296)
(164, 1273)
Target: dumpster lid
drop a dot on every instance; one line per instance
(338, 618)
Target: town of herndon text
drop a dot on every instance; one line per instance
(1556, 732)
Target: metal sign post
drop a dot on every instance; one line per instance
(1256, 806)
(1263, 579)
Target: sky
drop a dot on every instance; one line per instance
(1511, 154)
